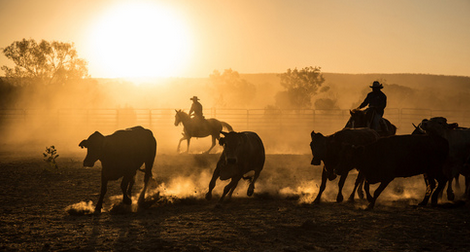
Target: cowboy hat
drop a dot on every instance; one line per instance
(377, 84)
(194, 98)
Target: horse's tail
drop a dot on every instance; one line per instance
(226, 126)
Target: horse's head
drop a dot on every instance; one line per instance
(358, 119)
(180, 116)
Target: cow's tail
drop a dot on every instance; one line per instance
(226, 126)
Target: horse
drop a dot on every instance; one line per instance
(360, 118)
(195, 127)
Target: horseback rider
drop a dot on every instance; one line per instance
(377, 102)
(196, 109)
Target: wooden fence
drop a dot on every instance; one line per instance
(289, 127)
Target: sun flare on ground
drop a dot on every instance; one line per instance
(139, 40)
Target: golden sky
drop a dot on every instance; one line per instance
(186, 38)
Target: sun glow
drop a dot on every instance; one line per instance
(139, 40)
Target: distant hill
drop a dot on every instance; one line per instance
(345, 91)
(403, 90)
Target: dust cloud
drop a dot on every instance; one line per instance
(33, 117)
(62, 115)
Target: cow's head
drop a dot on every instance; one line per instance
(233, 144)
(435, 126)
(318, 146)
(94, 145)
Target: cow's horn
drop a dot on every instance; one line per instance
(223, 133)
(414, 125)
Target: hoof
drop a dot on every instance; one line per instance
(250, 192)
(208, 196)
(450, 196)
(360, 194)
(127, 201)
(339, 199)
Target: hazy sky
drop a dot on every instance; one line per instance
(186, 38)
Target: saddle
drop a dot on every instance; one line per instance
(199, 123)
(370, 113)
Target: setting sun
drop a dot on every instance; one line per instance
(139, 40)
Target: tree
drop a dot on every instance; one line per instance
(300, 86)
(46, 62)
(231, 90)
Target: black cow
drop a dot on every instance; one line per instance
(399, 156)
(459, 147)
(243, 152)
(121, 155)
(327, 149)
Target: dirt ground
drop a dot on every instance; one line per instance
(279, 217)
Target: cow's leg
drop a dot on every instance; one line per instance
(251, 187)
(360, 190)
(430, 185)
(367, 190)
(440, 186)
(341, 181)
(324, 177)
(230, 188)
(215, 176)
(377, 192)
(124, 185)
(450, 191)
(229, 195)
(147, 177)
(130, 186)
(358, 187)
(104, 188)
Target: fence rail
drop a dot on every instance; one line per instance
(287, 126)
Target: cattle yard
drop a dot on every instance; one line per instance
(283, 131)
(36, 202)
(278, 217)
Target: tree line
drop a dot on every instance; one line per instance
(47, 66)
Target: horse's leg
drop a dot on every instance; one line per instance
(179, 144)
(187, 147)
(213, 144)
